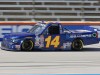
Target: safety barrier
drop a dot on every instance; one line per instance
(62, 22)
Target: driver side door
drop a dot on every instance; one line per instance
(52, 37)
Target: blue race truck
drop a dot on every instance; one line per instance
(51, 36)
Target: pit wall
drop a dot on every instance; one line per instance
(10, 27)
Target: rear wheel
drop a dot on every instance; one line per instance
(27, 45)
(77, 44)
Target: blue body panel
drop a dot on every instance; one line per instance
(43, 41)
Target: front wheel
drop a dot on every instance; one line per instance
(77, 45)
(27, 45)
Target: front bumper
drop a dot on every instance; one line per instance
(4, 48)
(7, 46)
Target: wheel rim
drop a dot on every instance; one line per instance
(27, 45)
(78, 44)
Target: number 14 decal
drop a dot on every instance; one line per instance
(55, 42)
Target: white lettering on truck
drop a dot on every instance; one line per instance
(9, 29)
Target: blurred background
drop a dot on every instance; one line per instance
(50, 10)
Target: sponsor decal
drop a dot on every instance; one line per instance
(94, 34)
(67, 45)
(86, 35)
(17, 46)
(39, 41)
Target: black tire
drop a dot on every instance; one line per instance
(27, 45)
(77, 45)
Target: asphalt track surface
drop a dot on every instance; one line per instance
(51, 62)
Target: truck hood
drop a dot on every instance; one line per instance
(21, 35)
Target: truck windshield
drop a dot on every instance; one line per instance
(37, 29)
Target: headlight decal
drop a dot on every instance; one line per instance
(15, 40)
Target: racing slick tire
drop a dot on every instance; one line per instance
(27, 45)
(77, 45)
